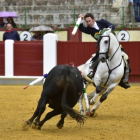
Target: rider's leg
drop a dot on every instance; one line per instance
(125, 80)
(95, 61)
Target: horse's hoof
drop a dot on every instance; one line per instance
(82, 112)
(92, 113)
(26, 125)
(91, 102)
(59, 125)
(88, 112)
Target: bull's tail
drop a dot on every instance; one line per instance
(73, 113)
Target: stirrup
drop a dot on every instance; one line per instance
(90, 75)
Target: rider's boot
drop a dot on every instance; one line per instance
(125, 80)
(93, 66)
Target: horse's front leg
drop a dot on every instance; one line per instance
(103, 98)
(86, 103)
(96, 94)
(81, 105)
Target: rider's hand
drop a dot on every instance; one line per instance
(81, 16)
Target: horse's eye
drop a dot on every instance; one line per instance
(106, 41)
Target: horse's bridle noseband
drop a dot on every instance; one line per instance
(99, 44)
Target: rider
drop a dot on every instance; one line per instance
(93, 28)
(127, 67)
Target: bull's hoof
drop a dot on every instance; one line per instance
(36, 126)
(26, 125)
(59, 125)
(92, 113)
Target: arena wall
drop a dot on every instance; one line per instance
(28, 57)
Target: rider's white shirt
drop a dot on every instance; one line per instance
(95, 26)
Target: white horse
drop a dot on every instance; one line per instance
(109, 71)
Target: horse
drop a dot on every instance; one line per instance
(109, 71)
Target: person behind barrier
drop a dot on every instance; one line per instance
(136, 4)
(10, 20)
(1, 22)
(37, 36)
(93, 28)
(10, 33)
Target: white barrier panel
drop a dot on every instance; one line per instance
(49, 51)
(9, 58)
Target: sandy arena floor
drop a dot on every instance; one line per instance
(118, 118)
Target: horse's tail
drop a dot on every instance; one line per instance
(73, 113)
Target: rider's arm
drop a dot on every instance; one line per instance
(107, 24)
(84, 29)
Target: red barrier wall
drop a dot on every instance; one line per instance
(79, 53)
(2, 59)
(76, 52)
(133, 51)
(28, 58)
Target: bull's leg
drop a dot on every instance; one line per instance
(28, 123)
(41, 110)
(103, 98)
(61, 121)
(49, 116)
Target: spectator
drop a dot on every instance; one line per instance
(136, 4)
(37, 36)
(10, 33)
(10, 20)
(1, 22)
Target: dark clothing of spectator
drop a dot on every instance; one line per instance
(2, 25)
(100, 23)
(137, 10)
(11, 35)
(34, 37)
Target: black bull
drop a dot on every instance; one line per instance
(61, 90)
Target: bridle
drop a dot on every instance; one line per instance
(108, 44)
(110, 70)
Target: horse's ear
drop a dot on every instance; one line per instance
(108, 31)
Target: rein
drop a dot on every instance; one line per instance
(110, 71)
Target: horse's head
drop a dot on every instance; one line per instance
(104, 45)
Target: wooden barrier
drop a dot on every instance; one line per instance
(80, 52)
(2, 59)
(28, 56)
